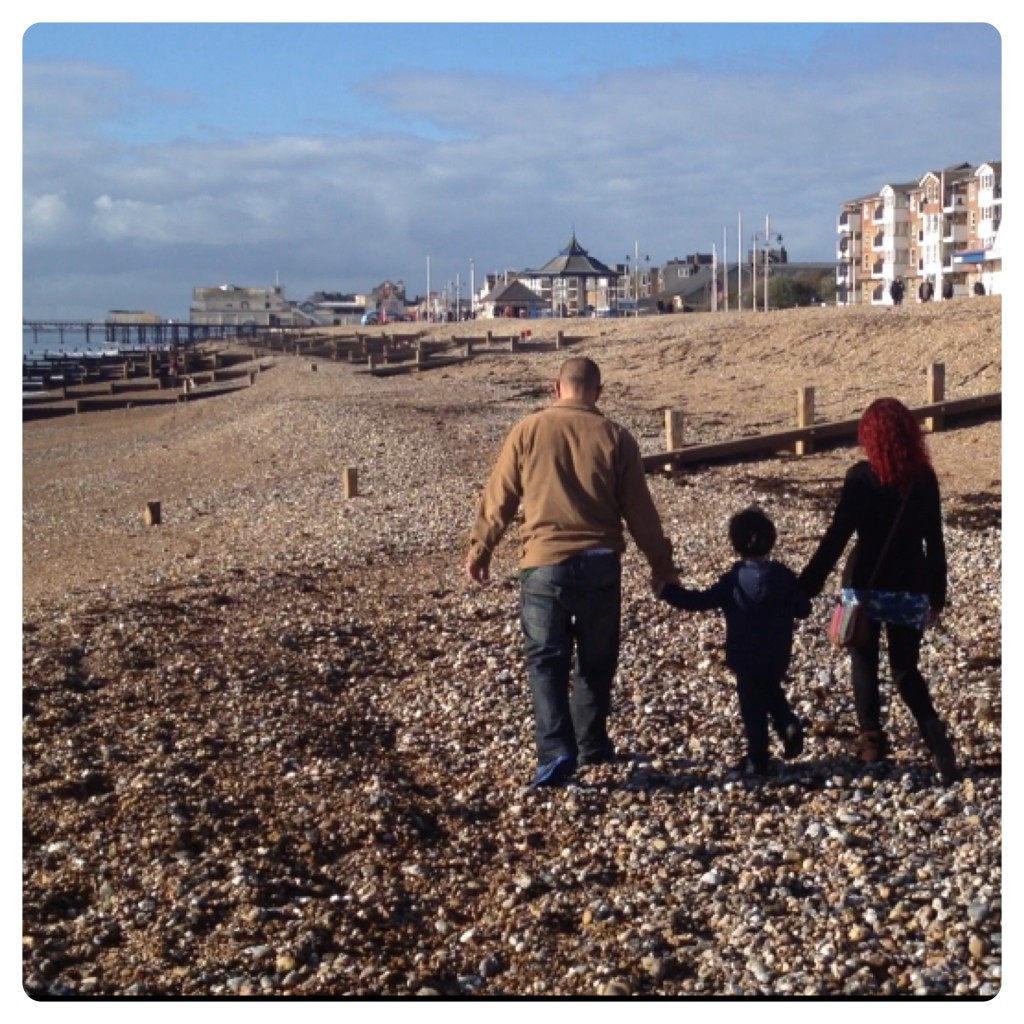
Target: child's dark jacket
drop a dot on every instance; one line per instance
(760, 599)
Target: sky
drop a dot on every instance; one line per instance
(162, 156)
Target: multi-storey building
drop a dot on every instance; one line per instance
(941, 229)
(237, 306)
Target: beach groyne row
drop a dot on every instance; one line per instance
(61, 387)
(394, 351)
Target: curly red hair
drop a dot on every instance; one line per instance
(893, 442)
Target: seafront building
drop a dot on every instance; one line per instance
(235, 306)
(941, 230)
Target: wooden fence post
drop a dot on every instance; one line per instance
(151, 513)
(351, 481)
(936, 393)
(673, 430)
(805, 418)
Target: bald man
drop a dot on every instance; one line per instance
(579, 478)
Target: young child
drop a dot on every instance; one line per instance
(760, 598)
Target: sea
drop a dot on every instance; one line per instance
(71, 343)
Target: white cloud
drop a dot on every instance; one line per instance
(494, 168)
(46, 218)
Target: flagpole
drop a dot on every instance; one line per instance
(725, 268)
(739, 262)
(714, 280)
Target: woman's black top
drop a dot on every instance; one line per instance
(915, 561)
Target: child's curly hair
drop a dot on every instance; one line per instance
(752, 533)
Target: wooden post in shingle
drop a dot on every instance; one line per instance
(936, 394)
(673, 430)
(350, 481)
(151, 513)
(805, 418)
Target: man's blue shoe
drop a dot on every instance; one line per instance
(554, 773)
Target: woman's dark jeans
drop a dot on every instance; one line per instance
(904, 651)
(564, 608)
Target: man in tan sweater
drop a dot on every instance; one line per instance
(579, 477)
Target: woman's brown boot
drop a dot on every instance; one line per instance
(871, 746)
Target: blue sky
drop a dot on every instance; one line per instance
(330, 156)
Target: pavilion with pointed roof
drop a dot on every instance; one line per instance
(574, 280)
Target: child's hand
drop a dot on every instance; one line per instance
(658, 582)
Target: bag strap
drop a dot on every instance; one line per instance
(888, 539)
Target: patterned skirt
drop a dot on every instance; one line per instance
(895, 606)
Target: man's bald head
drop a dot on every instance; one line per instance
(579, 377)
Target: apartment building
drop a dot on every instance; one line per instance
(942, 229)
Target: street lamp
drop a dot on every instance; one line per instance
(636, 276)
(768, 255)
(767, 261)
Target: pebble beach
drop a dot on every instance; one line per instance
(277, 744)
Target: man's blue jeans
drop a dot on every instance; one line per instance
(567, 609)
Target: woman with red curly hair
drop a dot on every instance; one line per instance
(897, 569)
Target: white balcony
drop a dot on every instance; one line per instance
(893, 215)
(956, 233)
(848, 222)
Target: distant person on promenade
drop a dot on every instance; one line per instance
(897, 568)
(947, 289)
(760, 598)
(926, 291)
(579, 476)
(896, 291)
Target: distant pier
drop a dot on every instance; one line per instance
(139, 336)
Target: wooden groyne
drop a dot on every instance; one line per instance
(99, 382)
(937, 413)
(395, 350)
